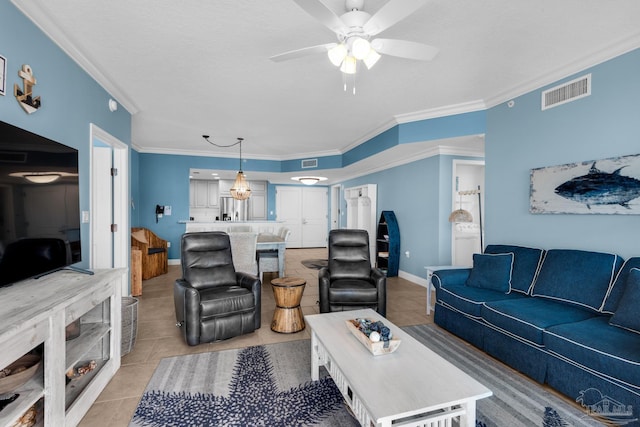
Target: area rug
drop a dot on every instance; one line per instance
(315, 264)
(270, 385)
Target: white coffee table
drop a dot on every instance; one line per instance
(412, 386)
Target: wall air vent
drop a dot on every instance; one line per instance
(309, 163)
(567, 92)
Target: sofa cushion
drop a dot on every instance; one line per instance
(492, 271)
(528, 317)
(469, 300)
(593, 343)
(617, 289)
(627, 315)
(576, 277)
(526, 262)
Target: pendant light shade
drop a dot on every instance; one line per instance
(240, 189)
(460, 215)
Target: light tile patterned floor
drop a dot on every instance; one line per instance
(158, 337)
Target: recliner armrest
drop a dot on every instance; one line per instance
(324, 282)
(252, 283)
(457, 276)
(380, 280)
(187, 304)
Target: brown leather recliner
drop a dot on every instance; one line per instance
(349, 282)
(213, 302)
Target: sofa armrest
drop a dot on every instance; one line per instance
(187, 305)
(252, 283)
(456, 276)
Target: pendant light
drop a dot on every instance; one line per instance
(240, 189)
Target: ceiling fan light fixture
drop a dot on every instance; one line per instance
(337, 54)
(371, 59)
(360, 48)
(349, 65)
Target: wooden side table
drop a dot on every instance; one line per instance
(287, 317)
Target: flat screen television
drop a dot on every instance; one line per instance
(39, 205)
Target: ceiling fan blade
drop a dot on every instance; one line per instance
(298, 53)
(322, 13)
(404, 49)
(392, 12)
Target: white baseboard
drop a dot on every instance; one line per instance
(422, 281)
(174, 262)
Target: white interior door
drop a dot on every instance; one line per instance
(289, 211)
(102, 249)
(116, 248)
(335, 207)
(314, 217)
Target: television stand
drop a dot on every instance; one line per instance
(68, 267)
(35, 319)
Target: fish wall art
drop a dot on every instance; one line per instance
(607, 186)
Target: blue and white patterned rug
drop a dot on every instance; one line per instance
(270, 385)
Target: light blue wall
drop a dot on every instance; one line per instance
(164, 180)
(605, 124)
(419, 193)
(71, 99)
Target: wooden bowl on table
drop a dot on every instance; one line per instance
(19, 372)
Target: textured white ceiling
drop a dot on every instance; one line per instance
(193, 67)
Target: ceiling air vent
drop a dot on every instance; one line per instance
(567, 92)
(310, 163)
(13, 157)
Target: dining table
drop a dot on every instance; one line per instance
(273, 242)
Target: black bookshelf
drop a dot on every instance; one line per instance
(388, 244)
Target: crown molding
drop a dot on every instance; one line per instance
(612, 51)
(418, 155)
(434, 113)
(40, 19)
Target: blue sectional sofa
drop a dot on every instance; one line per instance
(566, 318)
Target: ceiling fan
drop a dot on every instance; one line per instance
(355, 30)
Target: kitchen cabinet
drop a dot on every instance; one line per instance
(258, 203)
(203, 194)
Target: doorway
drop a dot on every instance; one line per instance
(304, 210)
(335, 206)
(468, 175)
(109, 202)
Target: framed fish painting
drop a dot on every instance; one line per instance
(607, 186)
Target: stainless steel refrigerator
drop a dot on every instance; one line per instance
(234, 210)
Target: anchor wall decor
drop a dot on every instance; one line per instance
(25, 96)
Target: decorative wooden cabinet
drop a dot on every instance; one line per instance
(388, 244)
(34, 315)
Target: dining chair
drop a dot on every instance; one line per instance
(239, 229)
(243, 251)
(268, 259)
